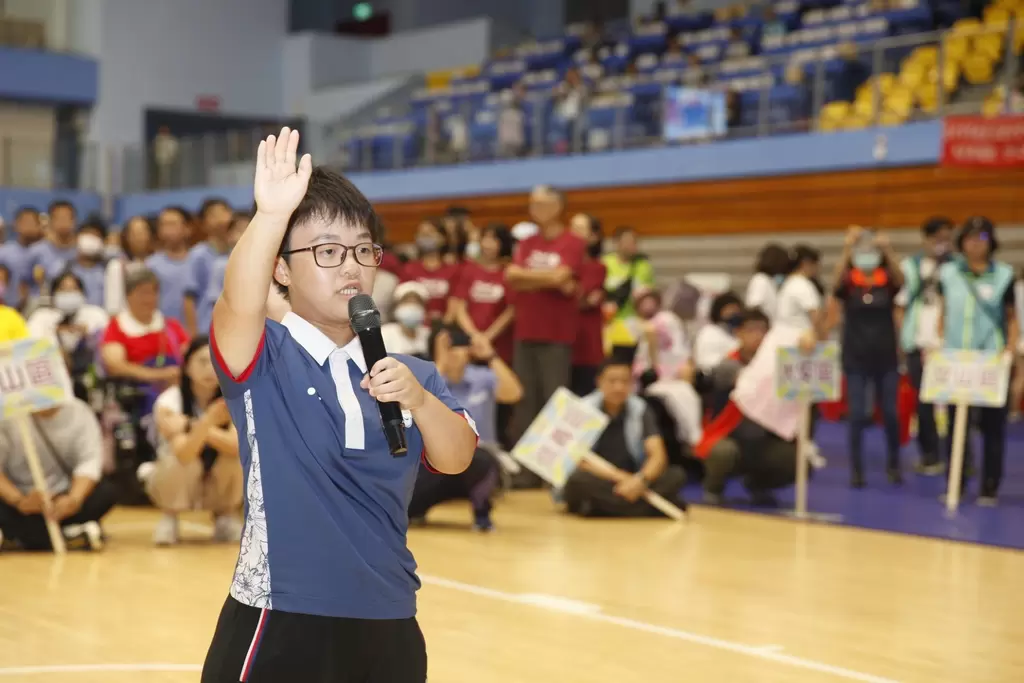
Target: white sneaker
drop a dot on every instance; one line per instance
(814, 457)
(88, 536)
(227, 529)
(166, 532)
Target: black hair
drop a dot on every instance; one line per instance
(61, 204)
(186, 216)
(458, 211)
(978, 224)
(935, 224)
(330, 196)
(623, 230)
(614, 360)
(720, 303)
(64, 275)
(96, 224)
(596, 230)
(504, 237)
(210, 203)
(188, 396)
(124, 234)
(772, 260)
(26, 211)
(755, 315)
(803, 253)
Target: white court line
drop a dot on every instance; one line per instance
(558, 604)
(94, 668)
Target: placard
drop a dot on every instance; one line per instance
(33, 377)
(565, 430)
(974, 378)
(812, 377)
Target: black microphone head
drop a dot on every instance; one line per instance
(363, 313)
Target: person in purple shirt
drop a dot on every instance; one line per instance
(28, 230)
(87, 265)
(215, 218)
(171, 262)
(61, 248)
(207, 297)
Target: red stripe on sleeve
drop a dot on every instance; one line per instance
(720, 427)
(219, 360)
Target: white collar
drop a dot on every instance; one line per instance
(132, 327)
(317, 344)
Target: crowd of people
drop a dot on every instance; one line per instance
(508, 315)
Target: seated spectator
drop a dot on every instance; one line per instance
(197, 466)
(479, 387)
(12, 325)
(136, 245)
(631, 444)
(70, 449)
(140, 345)
(409, 334)
(717, 340)
(74, 324)
(733, 445)
(663, 346)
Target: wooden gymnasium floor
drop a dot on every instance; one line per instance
(725, 598)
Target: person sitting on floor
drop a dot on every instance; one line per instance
(478, 387)
(633, 446)
(70, 449)
(197, 466)
(734, 445)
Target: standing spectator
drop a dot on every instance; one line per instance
(60, 248)
(979, 313)
(864, 296)
(627, 269)
(136, 245)
(430, 269)
(545, 275)
(663, 346)
(207, 295)
(512, 123)
(799, 301)
(718, 339)
(588, 350)
(770, 272)
(197, 466)
(919, 300)
(87, 264)
(633, 446)
(215, 218)
(170, 262)
(165, 157)
(70, 448)
(14, 256)
(409, 333)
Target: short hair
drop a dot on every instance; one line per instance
(26, 211)
(772, 260)
(934, 224)
(755, 315)
(458, 211)
(185, 214)
(61, 204)
(96, 224)
(211, 202)
(64, 275)
(720, 303)
(136, 277)
(330, 196)
(802, 253)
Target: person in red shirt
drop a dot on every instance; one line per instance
(431, 271)
(545, 275)
(588, 350)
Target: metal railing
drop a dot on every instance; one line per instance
(622, 112)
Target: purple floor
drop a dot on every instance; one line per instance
(915, 507)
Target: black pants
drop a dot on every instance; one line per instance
(589, 495)
(542, 368)
(886, 385)
(991, 423)
(584, 379)
(927, 432)
(30, 530)
(477, 484)
(769, 464)
(268, 646)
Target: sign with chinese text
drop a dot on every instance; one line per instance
(813, 377)
(975, 378)
(981, 141)
(32, 377)
(564, 431)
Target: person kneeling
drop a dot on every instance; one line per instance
(197, 464)
(69, 444)
(633, 446)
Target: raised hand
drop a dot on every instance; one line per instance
(280, 184)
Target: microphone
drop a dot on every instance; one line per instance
(365, 319)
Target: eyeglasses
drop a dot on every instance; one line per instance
(332, 255)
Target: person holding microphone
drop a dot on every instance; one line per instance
(325, 586)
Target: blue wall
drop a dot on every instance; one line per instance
(911, 145)
(47, 77)
(12, 199)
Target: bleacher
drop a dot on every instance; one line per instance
(797, 65)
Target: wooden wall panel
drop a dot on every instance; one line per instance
(884, 198)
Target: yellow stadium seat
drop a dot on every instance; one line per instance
(835, 111)
(857, 123)
(955, 47)
(996, 16)
(926, 55)
(912, 75)
(864, 105)
(826, 125)
(990, 45)
(978, 69)
(967, 26)
(993, 106)
(891, 118)
(886, 82)
(900, 101)
(950, 76)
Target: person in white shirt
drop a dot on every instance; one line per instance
(920, 303)
(716, 340)
(800, 304)
(408, 334)
(771, 269)
(136, 245)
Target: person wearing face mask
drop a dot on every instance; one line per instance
(588, 350)
(717, 340)
(919, 301)
(864, 298)
(770, 272)
(431, 271)
(76, 326)
(409, 333)
(88, 265)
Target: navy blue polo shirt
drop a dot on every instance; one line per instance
(325, 501)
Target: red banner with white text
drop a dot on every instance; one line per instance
(981, 142)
